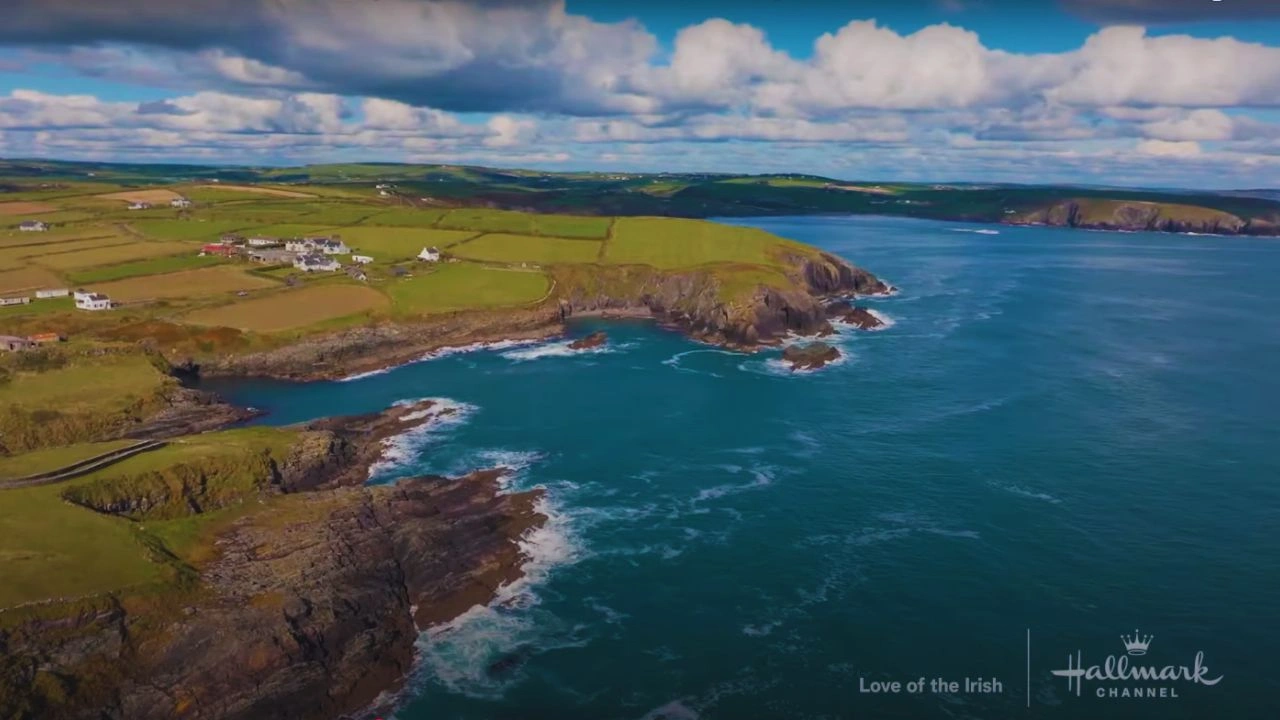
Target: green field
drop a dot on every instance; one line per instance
(293, 309)
(49, 459)
(498, 247)
(154, 266)
(406, 218)
(291, 230)
(202, 230)
(459, 286)
(78, 386)
(489, 221)
(672, 244)
(388, 244)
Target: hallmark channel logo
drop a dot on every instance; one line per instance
(1119, 676)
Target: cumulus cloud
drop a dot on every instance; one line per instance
(1167, 148)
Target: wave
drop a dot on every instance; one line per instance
(481, 653)
(674, 360)
(779, 368)
(978, 231)
(1032, 494)
(561, 349)
(400, 451)
(444, 352)
(763, 477)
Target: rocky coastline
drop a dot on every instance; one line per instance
(308, 607)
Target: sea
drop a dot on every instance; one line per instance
(1048, 488)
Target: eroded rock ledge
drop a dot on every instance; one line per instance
(308, 606)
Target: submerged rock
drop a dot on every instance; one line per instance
(594, 340)
(857, 316)
(811, 356)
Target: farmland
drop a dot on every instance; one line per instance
(391, 243)
(155, 196)
(111, 254)
(292, 309)
(154, 266)
(517, 248)
(27, 279)
(460, 286)
(670, 244)
(198, 283)
(25, 208)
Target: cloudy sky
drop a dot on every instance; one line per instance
(1180, 93)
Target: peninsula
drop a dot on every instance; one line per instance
(203, 569)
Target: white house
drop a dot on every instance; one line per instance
(92, 301)
(330, 246)
(429, 255)
(5, 302)
(53, 293)
(361, 259)
(180, 202)
(384, 193)
(298, 245)
(140, 206)
(316, 263)
(33, 226)
(261, 242)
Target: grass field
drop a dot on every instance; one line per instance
(459, 286)
(25, 208)
(572, 226)
(291, 230)
(293, 308)
(17, 256)
(338, 213)
(489, 221)
(203, 230)
(198, 283)
(16, 239)
(38, 307)
(40, 461)
(113, 254)
(52, 549)
(154, 266)
(154, 196)
(27, 280)
(406, 217)
(256, 190)
(524, 248)
(79, 385)
(398, 243)
(669, 244)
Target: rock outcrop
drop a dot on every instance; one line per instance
(857, 316)
(594, 340)
(308, 607)
(1099, 214)
(810, 357)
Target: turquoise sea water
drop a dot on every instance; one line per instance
(1068, 433)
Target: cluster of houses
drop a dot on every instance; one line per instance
(84, 299)
(33, 226)
(307, 254)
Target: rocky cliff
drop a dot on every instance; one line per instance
(1097, 214)
(305, 607)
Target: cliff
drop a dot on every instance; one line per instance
(304, 604)
(1097, 214)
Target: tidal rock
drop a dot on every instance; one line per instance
(594, 340)
(811, 356)
(856, 316)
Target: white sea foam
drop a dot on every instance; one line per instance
(460, 654)
(401, 450)
(561, 349)
(979, 231)
(674, 710)
(882, 317)
(762, 477)
(442, 353)
(779, 368)
(674, 360)
(760, 630)
(1018, 490)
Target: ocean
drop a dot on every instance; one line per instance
(1064, 447)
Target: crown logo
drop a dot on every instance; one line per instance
(1136, 644)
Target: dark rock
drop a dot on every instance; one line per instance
(811, 356)
(857, 316)
(594, 340)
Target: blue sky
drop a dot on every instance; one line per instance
(1135, 92)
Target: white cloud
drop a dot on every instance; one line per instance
(1167, 148)
(1195, 125)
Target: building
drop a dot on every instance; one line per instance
(33, 226)
(92, 301)
(316, 263)
(263, 242)
(272, 256)
(46, 338)
(52, 293)
(330, 246)
(384, 193)
(356, 273)
(180, 202)
(299, 245)
(231, 239)
(6, 302)
(13, 343)
(361, 259)
(220, 249)
(429, 255)
(140, 206)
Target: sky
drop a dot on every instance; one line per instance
(1163, 93)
